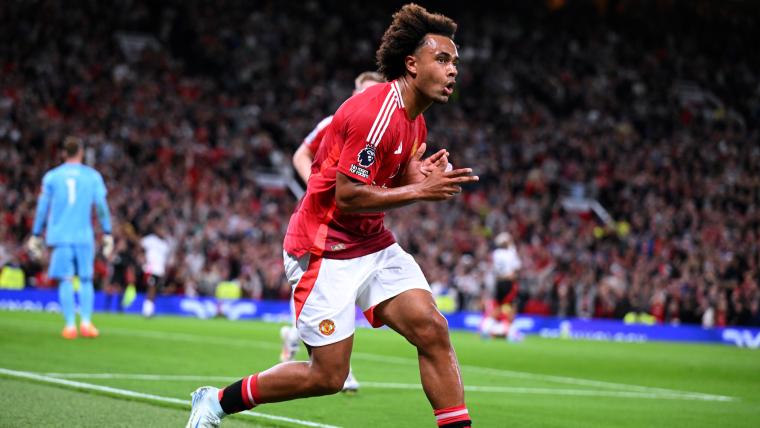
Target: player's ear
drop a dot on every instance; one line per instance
(410, 62)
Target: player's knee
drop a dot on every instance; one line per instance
(430, 332)
(335, 382)
(326, 383)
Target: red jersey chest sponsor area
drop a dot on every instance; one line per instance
(370, 140)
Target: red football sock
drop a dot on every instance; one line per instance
(241, 395)
(453, 417)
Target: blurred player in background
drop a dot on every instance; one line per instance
(338, 252)
(124, 272)
(304, 155)
(64, 209)
(302, 162)
(501, 310)
(157, 252)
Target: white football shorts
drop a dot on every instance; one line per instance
(326, 291)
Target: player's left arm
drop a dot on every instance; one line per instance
(101, 204)
(104, 215)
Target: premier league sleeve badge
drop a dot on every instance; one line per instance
(366, 157)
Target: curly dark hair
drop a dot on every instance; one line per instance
(405, 34)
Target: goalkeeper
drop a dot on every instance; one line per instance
(64, 207)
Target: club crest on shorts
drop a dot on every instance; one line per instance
(327, 327)
(366, 156)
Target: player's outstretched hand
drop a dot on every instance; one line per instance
(35, 246)
(419, 168)
(437, 160)
(441, 184)
(107, 246)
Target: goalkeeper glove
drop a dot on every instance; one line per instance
(35, 246)
(107, 245)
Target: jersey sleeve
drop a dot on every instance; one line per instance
(314, 139)
(101, 204)
(43, 203)
(360, 159)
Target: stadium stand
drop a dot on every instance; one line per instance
(617, 141)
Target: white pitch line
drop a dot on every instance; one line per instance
(140, 395)
(593, 383)
(554, 391)
(412, 386)
(551, 378)
(194, 338)
(141, 376)
(184, 337)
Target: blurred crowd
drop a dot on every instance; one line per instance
(191, 111)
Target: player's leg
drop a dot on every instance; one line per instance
(117, 294)
(291, 342)
(84, 256)
(289, 335)
(61, 269)
(111, 289)
(351, 384)
(324, 299)
(149, 306)
(66, 298)
(401, 299)
(413, 314)
(322, 375)
(109, 294)
(489, 319)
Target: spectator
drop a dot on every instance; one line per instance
(626, 104)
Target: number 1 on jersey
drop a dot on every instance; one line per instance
(71, 184)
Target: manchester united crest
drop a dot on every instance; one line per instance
(327, 327)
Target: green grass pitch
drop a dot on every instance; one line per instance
(140, 373)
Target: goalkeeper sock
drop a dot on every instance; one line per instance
(86, 300)
(66, 298)
(453, 417)
(241, 395)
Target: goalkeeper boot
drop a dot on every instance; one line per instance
(69, 332)
(88, 330)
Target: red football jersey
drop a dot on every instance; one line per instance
(314, 139)
(370, 139)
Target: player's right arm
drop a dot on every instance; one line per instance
(43, 205)
(354, 196)
(35, 244)
(302, 160)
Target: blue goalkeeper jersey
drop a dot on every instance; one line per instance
(69, 193)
